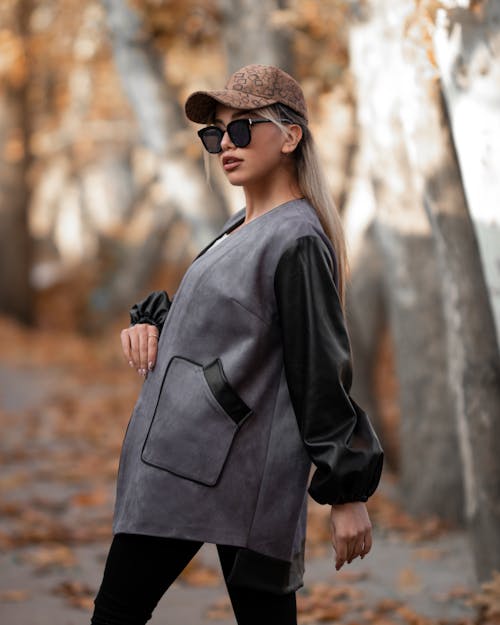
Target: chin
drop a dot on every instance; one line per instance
(235, 180)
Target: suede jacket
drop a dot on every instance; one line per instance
(251, 384)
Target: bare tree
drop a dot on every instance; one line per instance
(416, 164)
(467, 51)
(164, 130)
(15, 243)
(251, 36)
(366, 317)
(410, 270)
(474, 361)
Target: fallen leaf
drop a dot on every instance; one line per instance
(197, 574)
(351, 576)
(409, 581)
(411, 617)
(388, 514)
(488, 600)
(457, 592)
(50, 556)
(387, 605)
(428, 553)
(220, 610)
(14, 595)
(96, 497)
(324, 602)
(76, 594)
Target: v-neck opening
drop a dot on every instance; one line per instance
(240, 221)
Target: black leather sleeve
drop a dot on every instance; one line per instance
(153, 309)
(337, 433)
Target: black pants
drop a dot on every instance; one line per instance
(139, 569)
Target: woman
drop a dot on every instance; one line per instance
(249, 383)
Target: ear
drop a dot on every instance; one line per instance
(294, 135)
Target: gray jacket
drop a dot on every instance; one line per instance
(251, 383)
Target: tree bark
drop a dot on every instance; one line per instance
(474, 361)
(366, 316)
(250, 36)
(163, 129)
(467, 47)
(366, 310)
(15, 242)
(411, 286)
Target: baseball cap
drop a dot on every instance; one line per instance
(250, 87)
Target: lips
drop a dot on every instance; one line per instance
(230, 162)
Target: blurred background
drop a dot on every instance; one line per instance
(104, 197)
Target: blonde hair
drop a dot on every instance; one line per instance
(313, 185)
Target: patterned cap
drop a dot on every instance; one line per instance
(252, 86)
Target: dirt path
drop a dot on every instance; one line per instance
(45, 567)
(393, 571)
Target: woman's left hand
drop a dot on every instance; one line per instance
(351, 531)
(140, 346)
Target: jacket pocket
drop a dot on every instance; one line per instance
(195, 421)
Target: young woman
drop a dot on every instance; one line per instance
(247, 378)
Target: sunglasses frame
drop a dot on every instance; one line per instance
(218, 131)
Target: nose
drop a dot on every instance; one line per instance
(226, 142)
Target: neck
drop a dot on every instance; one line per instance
(266, 195)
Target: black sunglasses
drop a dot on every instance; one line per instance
(238, 131)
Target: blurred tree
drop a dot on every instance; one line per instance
(411, 285)
(252, 34)
(366, 315)
(472, 349)
(415, 168)
(473, 358)
(15, 241)
(466, 44)
(162, 128)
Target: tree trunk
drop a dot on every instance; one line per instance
(411, 286)
(474, 361)
(250, 36)
(366, 311)
(365, 315)
(163, 129)
(468, 55)
(15, 242)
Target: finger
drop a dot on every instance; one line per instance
(152, 348)
(341, 553)
(356, 548)
(143, 349)
(351, 549)
(354, 544)
(134, 347)
(335, 544)
(125, 341)
(368, 543)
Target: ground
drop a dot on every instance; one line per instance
(64, 405)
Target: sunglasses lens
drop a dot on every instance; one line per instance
(211, 138)
(239, 132)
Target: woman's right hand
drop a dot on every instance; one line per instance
(140, 346)
(351, 531)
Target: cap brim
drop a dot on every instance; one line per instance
(200, 106)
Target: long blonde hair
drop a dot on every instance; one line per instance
(312, 184)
